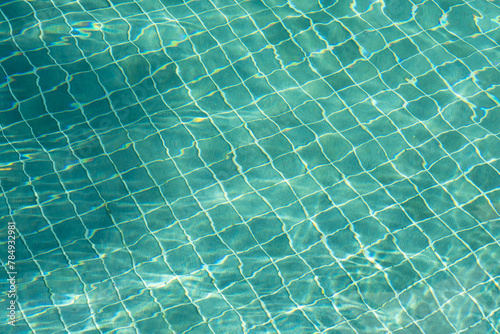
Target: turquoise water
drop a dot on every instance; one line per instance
(228, 166)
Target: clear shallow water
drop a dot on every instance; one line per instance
(255, 166)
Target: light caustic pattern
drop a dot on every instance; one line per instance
(261, 166)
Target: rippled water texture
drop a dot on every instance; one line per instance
(260, 166)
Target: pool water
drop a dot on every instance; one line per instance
(258, 166)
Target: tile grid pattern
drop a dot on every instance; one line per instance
(261, 113)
